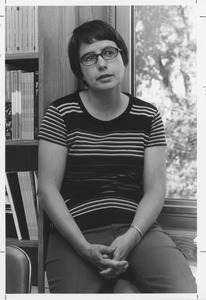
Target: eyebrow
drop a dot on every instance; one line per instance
(93, 52)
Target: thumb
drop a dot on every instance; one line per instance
(108, 251)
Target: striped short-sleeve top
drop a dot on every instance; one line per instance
(103, 182)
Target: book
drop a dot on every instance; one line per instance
(30, 105)
(15, 29)
(8, 120)
(19, 109)
(21, 106)
(35, 174)
(15, 199)
(14, 214)
(8, 109)
(31, 38)
(23, 111)
(36, 103)
(9, 222)
(13, 104)
(21, 29)
(29, 202)
(8, 24)
(36, 31)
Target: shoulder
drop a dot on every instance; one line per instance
(140, 102)
(67, 104)
(139, 106)
(68, 99)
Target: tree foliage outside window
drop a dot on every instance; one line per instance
(165, 75)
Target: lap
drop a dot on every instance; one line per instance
(67, 272)
(155, 265)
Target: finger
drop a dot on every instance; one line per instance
(116, 264)
(108, 251)
(111, 273)
(108, 273)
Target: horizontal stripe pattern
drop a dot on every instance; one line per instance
(53, 127)
(115, 143)
(103, 178)
(68, 108)
(142, 110)
(103, 203)
(157, 134)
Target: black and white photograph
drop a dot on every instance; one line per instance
(102, 130)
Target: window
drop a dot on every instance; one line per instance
(164, 73)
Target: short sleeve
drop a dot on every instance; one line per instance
(157, 132)
(53, 128)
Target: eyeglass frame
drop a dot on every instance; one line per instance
(100, 54)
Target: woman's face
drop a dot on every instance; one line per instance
(104, 74)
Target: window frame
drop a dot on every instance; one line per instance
(123, 17)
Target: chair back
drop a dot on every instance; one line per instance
(18, 271)
(43, 228)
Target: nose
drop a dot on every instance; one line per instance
(101, 62)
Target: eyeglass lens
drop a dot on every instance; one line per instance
(107, 53)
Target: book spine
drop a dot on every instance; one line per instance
(36, 32)
(23, 105)
(11, 201)
(21, 29)
(9, 29)
(28, 202)
(35, 174)
(19, 105)
(27, 28)
(33, 198)
(31, 28)
(15, 29)
(10, 225)
(6, 29)
(24, 29)
(13, 105)
(32, 105)
(14, 185)
(8, 108)
(33, 182)
(26, 106)
(36, 103)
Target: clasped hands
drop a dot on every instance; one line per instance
(111, 260)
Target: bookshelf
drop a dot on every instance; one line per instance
(22, 151)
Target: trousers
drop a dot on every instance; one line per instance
(156, 265)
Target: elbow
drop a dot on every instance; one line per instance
(43, 195)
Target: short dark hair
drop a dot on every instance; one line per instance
(89, 32)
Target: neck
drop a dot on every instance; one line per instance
(106, 100)
(105, 105)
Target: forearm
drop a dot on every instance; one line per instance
(55, 207)
(149, 208)
(98, 255)
(146, 213)
(154, 179)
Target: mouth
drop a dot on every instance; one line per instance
(104, 76)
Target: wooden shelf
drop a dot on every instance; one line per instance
(20, 56)
(21, 243)
(21, 142)
(22, 156)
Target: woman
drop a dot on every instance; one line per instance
(102, 179)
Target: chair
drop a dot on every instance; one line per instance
(43, 227)
(18, 271)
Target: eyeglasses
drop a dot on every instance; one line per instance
(107, 53)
